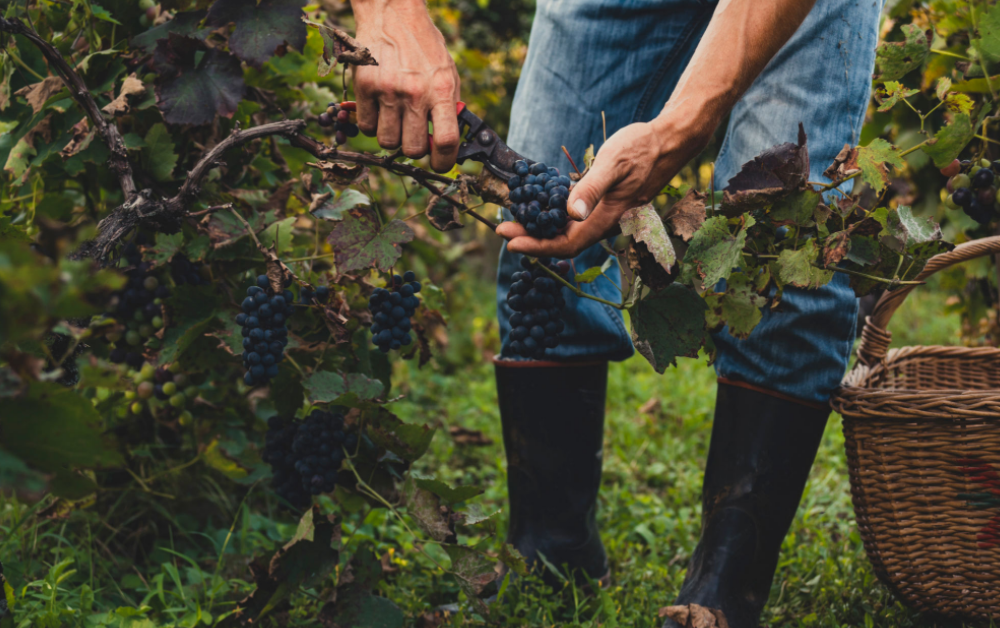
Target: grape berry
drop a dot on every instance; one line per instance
(972, 188)
(391, 312)
(138, 306)
(264, 333)
(344, 123)
(537, 301)
(306, 456)
(538, 198)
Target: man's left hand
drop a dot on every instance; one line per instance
(629, 170)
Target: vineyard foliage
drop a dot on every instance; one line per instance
(161, 159)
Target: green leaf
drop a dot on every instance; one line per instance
(669, 324)
(903, 229)
(950, 140)
(864, 251)
(739, 307)
(348, 199)
(287, 391)
(20, 156)
(796, 267)
(359, 242)
(796, 209)
(201, 88)
(645, 225)
(712, 254)
(185, 24)
(261, 27)
(167, 245)
(178, 338)
(892, 92)
(451, 495)
(896, 59)
(327, 386)
(592, 273)
(872, 160)
(424, 507)
(102, 14)
(989, 34)
(6, 74)
(368, 611)
(51, 429)
(158, 154)
(409, 441)
(473, 569)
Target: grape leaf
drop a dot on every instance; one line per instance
(409, 441)
(474, 570)
(904, 230)
(738, 307)
(360, 242)
(950, 140)
(185, 24)
(891, 93)
(158, 155)
(50, 429)
(327, 386)
(872, 160)
(712, 254)
(167, 245)
(338, 46)
(668, 324)
(796, 209)
(796, 267)
(6, 73)
(201, 83)
(863, 251)
(770, 175)
(261, 28)
(424, 507)
(959, 103)
(989, 34)
(348, 199)
(37, 94)
(897, 58)
(450, 494)
(594, 272)
(645, 225)
(686, 216)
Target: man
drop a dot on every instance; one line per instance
(666, 73)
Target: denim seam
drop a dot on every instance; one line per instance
(693, 26)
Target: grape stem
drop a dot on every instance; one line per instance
(847, 271)
(576, 290)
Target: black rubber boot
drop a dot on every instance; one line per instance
(758, 462)
(553, 429)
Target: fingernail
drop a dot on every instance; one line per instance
(580, 207)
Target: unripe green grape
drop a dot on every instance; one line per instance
(132, 325)
(143, 21)
(950, 203)
(136, 407)
(154, 343)
(998, 195)
(976, 168)
(121, 412)
(960, 181)
(113, 336)
(175, 368)
(186, 418)
(191, 392)
(151, 283)
(157, 301)
(139, 316)
(180, 379)
(129, 395)
(144, 390)
(146, 331)
(102, 393)
(169, 388)
(146, 4)
(178, 400)
(985, 163)
(147, 371)
(157, 322)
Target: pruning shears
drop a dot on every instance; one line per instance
(481, 143)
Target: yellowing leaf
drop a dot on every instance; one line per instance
(872, 160)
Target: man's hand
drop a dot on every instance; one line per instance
(415, 79)
(629, 170)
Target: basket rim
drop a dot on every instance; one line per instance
(861, 373)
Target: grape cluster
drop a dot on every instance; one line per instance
(161, 388)
(138, 306)
(183, 271)
(306, 456)
(538, 198)
(391, 312)
(537, 301)
(264, 333)
(344, 122)
(320, 295)
(972, 188)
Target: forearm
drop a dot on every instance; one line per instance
(740, 40)
(370, 13)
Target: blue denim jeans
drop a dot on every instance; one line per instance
(623, 58)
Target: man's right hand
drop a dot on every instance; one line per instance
(415, 80)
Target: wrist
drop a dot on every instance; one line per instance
(367, 11)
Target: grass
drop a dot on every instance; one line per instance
(140, 561)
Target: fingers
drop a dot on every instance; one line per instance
(510, 230)
(577, 237)
(446, 136)
(367, 102)
(589, 191)
(415, 143)
(390, 123)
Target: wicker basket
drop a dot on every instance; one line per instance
(922, 429)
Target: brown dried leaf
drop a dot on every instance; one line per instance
(443, 215)
(341, 174)
(337, 44)
(686, 215)
(465, 436)
(836, 247)
(83, 135)
(769, 176)
(37, 93)
(492, 188)
(844, 164)
(695, 616)
(641, 261)
(130, 87)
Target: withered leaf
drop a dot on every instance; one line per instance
(775, 172)
(844, 164)
(359, 241)
(695, 616)
(687, 215)
(37, 93)
(337, 44)
(83, 135)
(493, 189)
(132, 86)
(465, 436)
(341, 174)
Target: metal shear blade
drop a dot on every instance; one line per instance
(484, 145)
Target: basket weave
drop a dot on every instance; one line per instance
(922, 430)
